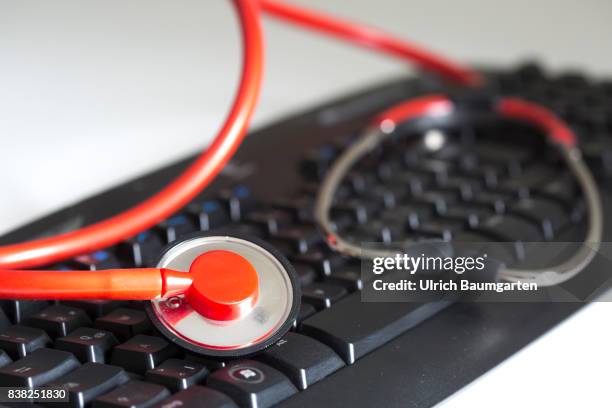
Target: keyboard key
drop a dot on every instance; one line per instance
(549, 214)
(142, 353)
(323, 295)
(134, 394)
(533, 176)
(562, 188)
(176, 227)
(354, 328)
(198, 397)
(177, 374)
(299, 239)
(124, 323)
(510, 228)
(95, 308)
(5, 359)
(19, 310)
(470, 216)
(88, 345)
(348, 277)
(324, 262)
(358, 210)
(142, 250)
(407, 215)
(59, 320)
(210, 214)
(495, 202)
(306, 310)
(252, 384)
(269, 220)
(300, 207)
(304, 360)
(4, 320)
(19, 341)
(38, 368)
(239, 200)
(87, 382)
(439, 229)
(306, 274)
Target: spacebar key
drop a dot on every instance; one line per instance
(354, 328)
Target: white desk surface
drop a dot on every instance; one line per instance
(96, 92)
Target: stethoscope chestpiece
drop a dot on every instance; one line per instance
(247, 297)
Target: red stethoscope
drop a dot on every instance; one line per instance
(226, 295)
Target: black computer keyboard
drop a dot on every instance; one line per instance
(491, 181)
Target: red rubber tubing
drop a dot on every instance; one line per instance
(372, 38)
(112, 284)
(555, 129)
(178, 193)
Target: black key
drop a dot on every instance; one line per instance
(87, 382)
(198, 397)
(4, 320)
(38, 368)
(306, 274)
(531, 177)
(299, 239)
(134, 394)
(349, 277)
(306, 310)
(242, 229)
(269, 220)
(95, 308)
(441, 229)
(492, 201)
(323, 295)
(252, 384)
(4, 358)
(439, 200)
(143, 249)
(380, 231)
(470, 216)
(510, 228)
(59, 320)
(562, 188)
(358, 210)
(381, 196)
(124, 323)
(239, 200)
(354, 328)
(19, 310)
(304, 360)
(177, 374)
(210, 214)
(300, 207)
(548, 213)
(316, 161)
(88, 345)
(407, 182)
(323, 262)
(142, 353)
(407, 215)
(176, 227)
(19, 341)
(96, 261)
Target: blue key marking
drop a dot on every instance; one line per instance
(142, 237)
(100, 256)
(177, 220)
(210, 206)
(242, 192)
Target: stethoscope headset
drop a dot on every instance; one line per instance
(231, 296)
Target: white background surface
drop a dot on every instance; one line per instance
(96, 92)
